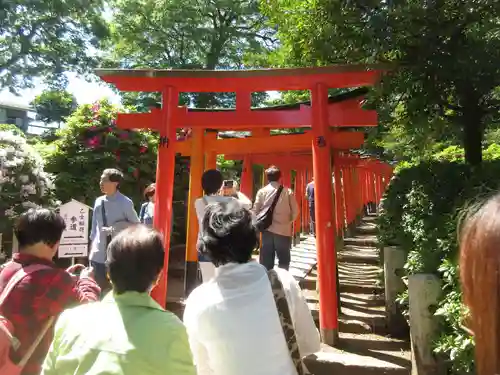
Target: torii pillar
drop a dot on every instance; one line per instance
(246, 184)
(210, 157)
(325, 221)
(165, 168)
(195, 191)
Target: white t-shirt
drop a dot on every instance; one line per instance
(234, 328)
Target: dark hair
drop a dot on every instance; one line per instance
(211, 181)
(273, 173)
(479, 271)
(114, 175)
(149, 191)
(228, 234)
(39, 225)
(135, 259)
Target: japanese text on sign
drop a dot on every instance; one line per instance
(74, 240)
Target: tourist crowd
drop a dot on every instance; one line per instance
(245, 318)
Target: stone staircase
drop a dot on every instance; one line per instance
(365, 348)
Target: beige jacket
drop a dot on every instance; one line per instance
(286, 210)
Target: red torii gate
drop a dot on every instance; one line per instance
(319, 116)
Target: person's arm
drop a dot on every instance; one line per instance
(199, 206)
(130, 213)
(305, 330)
(294, 207)
(93, 230)
(259, 201)
(244, 200)
(49, 365)
(63, 292)
(179, 354)
(200, 357)
(141, 212)
(200, 354)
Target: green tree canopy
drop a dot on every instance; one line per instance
(54, 105)
(46, 38)
(188, 34)
(443, 56)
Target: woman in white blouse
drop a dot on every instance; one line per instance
(211, 182)
(232, 322)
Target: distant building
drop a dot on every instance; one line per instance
(15, 114)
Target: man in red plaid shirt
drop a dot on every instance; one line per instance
(44, 293)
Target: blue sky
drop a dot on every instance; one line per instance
(85, 92)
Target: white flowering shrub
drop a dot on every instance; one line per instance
(23, 183)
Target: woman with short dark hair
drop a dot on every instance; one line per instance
(232, 321)
(211, 182)
(128, 332)
(146, 213)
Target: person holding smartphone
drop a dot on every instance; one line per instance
(215, 190)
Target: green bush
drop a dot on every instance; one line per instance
(421, 212)
(90, 142)
(457, 153)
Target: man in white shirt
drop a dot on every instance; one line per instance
(232, 320)
(277, 239)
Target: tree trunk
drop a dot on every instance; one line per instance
(473, 137)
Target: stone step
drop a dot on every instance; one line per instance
(362, 240)
(308, 282)
(355, 357)
(361, 355)
(354, 255)
(370, 229)
(375, 290)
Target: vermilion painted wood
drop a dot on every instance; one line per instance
(286, 176)
(165, 188)
(342, 114)
(247, 177)
(299, 196)
(272, 144)
(325, 221)
(236, 81)
(339, 203)
(210, 156)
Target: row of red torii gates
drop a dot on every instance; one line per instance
(321, 150)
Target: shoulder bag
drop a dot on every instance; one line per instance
(286, 322)
(105, 224)
(8, 341)
(265, 218)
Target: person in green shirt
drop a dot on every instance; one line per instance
(127, 333)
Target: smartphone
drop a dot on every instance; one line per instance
(228, 184)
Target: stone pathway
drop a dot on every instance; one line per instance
(365, 348)
(303, 257)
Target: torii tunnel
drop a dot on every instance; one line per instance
(322, 149)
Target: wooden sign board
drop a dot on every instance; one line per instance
(75, 238)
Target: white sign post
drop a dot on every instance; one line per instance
(75, 238)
